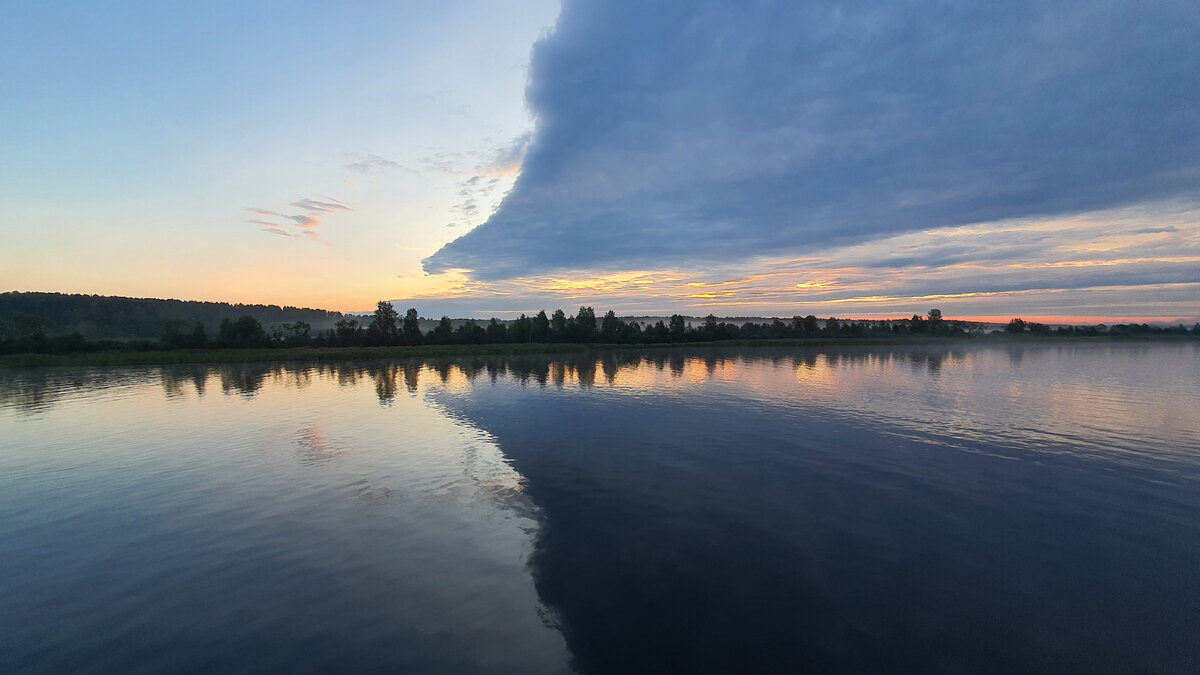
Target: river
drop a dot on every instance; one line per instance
(950, 508)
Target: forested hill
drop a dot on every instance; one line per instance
(98, 317)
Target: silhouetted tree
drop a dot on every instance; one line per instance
(1015, 326)
(809, 326)
(659, 332)
(412, 327)
(631, 332)
(385, 325)
(585, 324)
(610, 327)
(294, 334)
(245, 332)
(778, 329)
(496, 331)
(521, 330)
(678, 327)
(558, 325)
(443, 333)
(541, 327)
(347, 332)
(470, 333)
(181, 335)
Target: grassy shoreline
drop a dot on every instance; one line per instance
(193, 356)
(187, 356)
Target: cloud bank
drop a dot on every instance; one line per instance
(1128, 262)
(679, 132)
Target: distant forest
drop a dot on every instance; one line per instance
(98, 317)
(39, 323)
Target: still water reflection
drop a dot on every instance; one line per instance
(951, 509)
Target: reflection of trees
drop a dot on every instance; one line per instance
(610, 367)
(300, 378)
(347, 375)
(176, 378)
(471, 367)
(245, 379)
(200, 380)
(807, 360)
(1016, 356)
(172, 383)
(676, 362)
(442, 368)
(37, 390)
(28, 394)
(385, 376)
(585, 370)
(412, 373)
(494, 367)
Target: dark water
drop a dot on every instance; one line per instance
(983, 509)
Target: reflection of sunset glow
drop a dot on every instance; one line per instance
(815, 372)
(859, 382)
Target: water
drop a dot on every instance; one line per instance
(952, 509)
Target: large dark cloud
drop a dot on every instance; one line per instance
(669, 132)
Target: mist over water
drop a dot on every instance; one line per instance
(942, 509)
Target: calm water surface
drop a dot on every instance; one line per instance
(953, 509)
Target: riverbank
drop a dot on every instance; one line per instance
(182, 356)
(288, 354)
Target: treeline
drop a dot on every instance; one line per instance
(387, 328)
(1019, 326)
(99, 318)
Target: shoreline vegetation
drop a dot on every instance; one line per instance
(24, 343)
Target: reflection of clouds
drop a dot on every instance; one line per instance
(315, 447)
(422, 508)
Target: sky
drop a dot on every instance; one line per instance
(760, 158)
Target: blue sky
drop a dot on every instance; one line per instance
(773, 158)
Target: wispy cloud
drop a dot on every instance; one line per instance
(299, 225)
(485, 178)
(367, 163)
